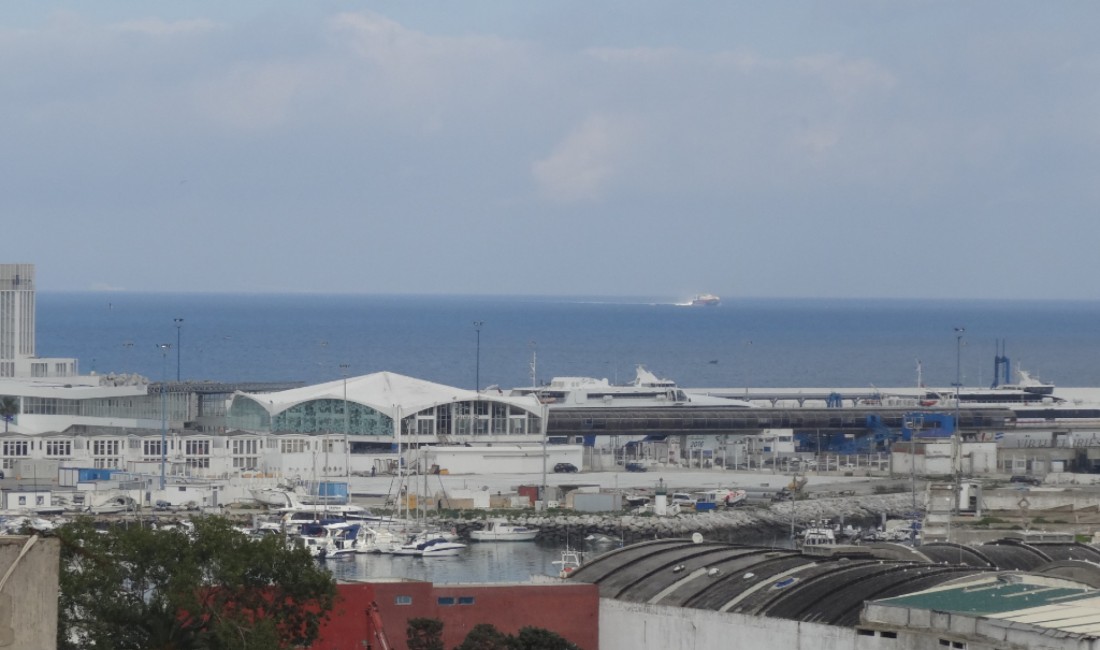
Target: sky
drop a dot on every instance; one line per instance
(853, 148)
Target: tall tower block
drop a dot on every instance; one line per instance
(16, 316)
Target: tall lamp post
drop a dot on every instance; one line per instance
(477, 363)
(347, 461)
(957, 456)
(179, 326)
(164, 348)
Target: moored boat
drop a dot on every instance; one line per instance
(499, 530)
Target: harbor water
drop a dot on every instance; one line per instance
(479, 563)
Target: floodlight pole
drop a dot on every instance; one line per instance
(179, 326)
(347, 461)
(477, 363)
(957, 456)
(164, 348)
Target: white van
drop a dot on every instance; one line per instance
(681, 498)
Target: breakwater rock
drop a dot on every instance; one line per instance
(750, 524)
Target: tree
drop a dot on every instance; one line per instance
(536, 638)
(484, 636)
(424, 634)
(138, 588)
(9, 408)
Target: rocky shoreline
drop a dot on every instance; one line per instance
(741, 525)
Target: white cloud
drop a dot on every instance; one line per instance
(588, 159)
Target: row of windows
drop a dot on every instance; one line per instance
(175, 406)
(441, 600)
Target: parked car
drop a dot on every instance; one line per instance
(1023, 478)
(635, 467)
(565, 468)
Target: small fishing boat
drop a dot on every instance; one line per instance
(571, 560)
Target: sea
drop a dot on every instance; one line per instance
(507, 341)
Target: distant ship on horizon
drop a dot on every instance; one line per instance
(705, 300)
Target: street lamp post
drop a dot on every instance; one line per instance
(957, 456)
(477, 363)
(344, 371)
(164, 348)
(179, 326)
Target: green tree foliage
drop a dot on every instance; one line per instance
(484, 636)
(536, 638)
(136, 588)
(424, 634)
(9, 408)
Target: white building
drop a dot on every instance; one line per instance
(17, 328)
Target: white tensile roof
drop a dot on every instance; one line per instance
(387, 393)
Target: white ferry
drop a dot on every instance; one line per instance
(646, 390)
(705, 300)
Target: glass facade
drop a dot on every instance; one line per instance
(468, 418)
(147, 407)
(327, 416)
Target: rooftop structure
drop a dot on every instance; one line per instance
(367, 406)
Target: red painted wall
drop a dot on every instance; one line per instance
(571, 610)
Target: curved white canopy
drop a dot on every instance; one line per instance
(388, 393)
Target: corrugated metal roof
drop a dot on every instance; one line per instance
(987, 598)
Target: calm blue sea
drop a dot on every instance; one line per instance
(758, 342)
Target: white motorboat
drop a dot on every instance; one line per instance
(440, 547)
(819, 533)
(319, 546)
(499, 530)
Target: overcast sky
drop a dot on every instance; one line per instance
(837, 149)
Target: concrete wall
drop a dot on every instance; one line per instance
(636, 626)
(501, 459)
(28, 601)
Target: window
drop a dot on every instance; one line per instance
(465, 600)
(445, 600)
(246, 453)
(151, 448)
(293, 446)
(59, 447)
(403, 600)
(105, 454)
(888, 635)
(15, 448)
